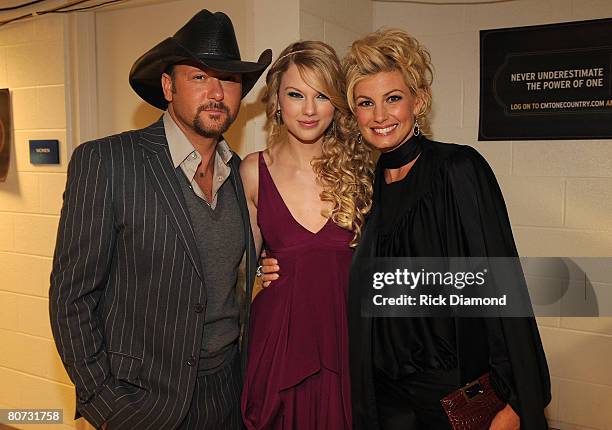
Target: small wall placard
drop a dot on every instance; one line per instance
(44, 152)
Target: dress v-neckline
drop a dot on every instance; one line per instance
(280, 196)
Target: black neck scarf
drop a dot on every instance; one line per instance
(404, 154)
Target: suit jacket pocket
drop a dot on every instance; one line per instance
(126, 368)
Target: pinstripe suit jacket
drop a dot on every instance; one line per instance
(127, 297)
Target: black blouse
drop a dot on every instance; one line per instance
(449, 205)
(406, 225)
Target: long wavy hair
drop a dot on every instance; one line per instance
(345, 167)
(387, 50)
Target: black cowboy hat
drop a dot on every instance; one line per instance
(208, 39)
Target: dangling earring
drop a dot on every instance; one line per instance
(416, 130)
(359, 138)
(278, 118)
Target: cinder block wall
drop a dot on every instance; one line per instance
(336, 22)
(558, 193)
(32, 66)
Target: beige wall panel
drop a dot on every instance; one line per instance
(548, 321)
(39, 108)
(25, 274)
(508, 14)
(35, 234)
(41, 63)
(9, 395)
(24, 108)
(51, 192)
(7, 233)
(37, 392)
(343, 21)
(454, 134)
(119, 108)
(11, 349)
(339, 37)
(533, 201)
(39, 357)
(601, 325)
(20, 193)
(34, 317)
(3, 75)
(311, 27)
(22, 151)
(314, 7)
(419, 19)
(357, 15)
(447, 114)
(32, 355)
(455, 62)
(552, 411)
(9, 316)
(586, 158)
(561, 10)
(546, 242)
(577, 355)
(455, 55)
(591, 9)
(51, 107)
(585, 404)
(589, 204)
(498, 155)
(15, 34)
(50, 27)
(470, 115)
(336, 12)
(264, 17)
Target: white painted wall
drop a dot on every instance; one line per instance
(32, 65)
(336, 22)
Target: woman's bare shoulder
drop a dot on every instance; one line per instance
(249, 163)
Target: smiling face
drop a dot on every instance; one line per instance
(202, 101)
(305, 111)
(385, 109)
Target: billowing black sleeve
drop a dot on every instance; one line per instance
(517, 360)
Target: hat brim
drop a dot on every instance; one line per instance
(145, 75)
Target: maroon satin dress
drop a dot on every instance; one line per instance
(297, 373)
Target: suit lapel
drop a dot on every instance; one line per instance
(162, 176)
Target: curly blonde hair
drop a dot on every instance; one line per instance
(387, 50)
(345, 167)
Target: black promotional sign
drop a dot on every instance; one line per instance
(546, 82)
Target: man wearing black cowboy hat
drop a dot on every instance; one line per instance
(146, 308)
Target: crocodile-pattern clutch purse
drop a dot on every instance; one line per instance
(474, 406)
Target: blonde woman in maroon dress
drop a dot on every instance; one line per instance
(307, 195)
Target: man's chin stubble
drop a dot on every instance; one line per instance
(212, 132)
